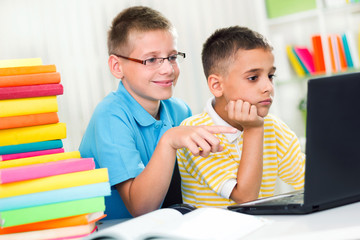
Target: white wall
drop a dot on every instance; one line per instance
(72, 35)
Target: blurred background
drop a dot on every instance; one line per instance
(72, 34)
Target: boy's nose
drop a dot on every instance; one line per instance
(268, 86)
(166, 66)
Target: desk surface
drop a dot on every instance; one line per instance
(337, 223)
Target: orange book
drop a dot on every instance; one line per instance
(319, 61)
(29, 79)
(55, 223)
(332, 55)
(343, 64)
(28, 120)
(27, 70)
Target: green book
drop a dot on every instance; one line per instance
(51, 211)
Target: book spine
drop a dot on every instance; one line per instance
(342, 58)
(27, 70)
(13, 156)
(26, 106)
(20, 62)
(306, 58)
(54, 182)
(319, 61)
(29, 147)
(54, 223)
(347, 52)
(28, 120)
(54, 196)
(39, 159)
(34, 171)
(31, 91)
(295, 62)
(30, 79)
(332, 55)
(39, 133)
(51, 211)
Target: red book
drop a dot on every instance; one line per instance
(33, 171)
(319, 61)
(31, 91)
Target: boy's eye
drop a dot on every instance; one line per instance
(272, 76)
(151, 60)
(253, 78)
(173, 58)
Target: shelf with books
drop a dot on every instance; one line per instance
(298, 30)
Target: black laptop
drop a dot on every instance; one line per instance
(332, 167)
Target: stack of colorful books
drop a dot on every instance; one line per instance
(45, 192)
(341, 51)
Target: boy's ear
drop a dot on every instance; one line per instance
(215, 85)
(115, 67)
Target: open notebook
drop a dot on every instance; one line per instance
(332, 151)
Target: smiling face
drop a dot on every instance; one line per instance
(249, 78)
(149, 85)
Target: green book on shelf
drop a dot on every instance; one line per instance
(51, 211)
(278, 8)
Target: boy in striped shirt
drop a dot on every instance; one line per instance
(239, 66)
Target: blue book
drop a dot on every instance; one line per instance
(348, 57)
(30, 147)
(55, 196)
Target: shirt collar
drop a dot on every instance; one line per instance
(209, 109)
(140, 114)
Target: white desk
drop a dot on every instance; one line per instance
(337, 223)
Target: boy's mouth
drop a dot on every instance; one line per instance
(166, 83)
(266, 101)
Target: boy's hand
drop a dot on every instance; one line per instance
(200, 140)
(244, 113)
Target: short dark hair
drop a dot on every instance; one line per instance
(220, 48)
(137, 18)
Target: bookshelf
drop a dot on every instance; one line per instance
(297, 29)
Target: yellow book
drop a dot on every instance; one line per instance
(295, 62)
(26, 106)
(39, 133)
(54, 182)
(39, 159)
(20, 62)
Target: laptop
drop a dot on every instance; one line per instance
(332, 166)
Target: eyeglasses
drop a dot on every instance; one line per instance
(174, 59)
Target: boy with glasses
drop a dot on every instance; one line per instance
(239, 67)
(133, 131)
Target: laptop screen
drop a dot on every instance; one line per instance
(333, 139)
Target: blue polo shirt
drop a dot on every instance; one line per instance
(122, 137)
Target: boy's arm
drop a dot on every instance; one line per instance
(296, 159)
(250, 169)
(146, 192)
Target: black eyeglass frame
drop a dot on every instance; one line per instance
(144, 61)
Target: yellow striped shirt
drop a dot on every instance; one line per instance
(203, 178)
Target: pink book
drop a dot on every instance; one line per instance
(22, 173)
(31, 91)
(306, 57)
(6, 157)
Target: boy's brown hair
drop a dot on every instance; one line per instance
(220, 48)
(138, 18)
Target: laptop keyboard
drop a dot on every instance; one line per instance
(284, 199)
